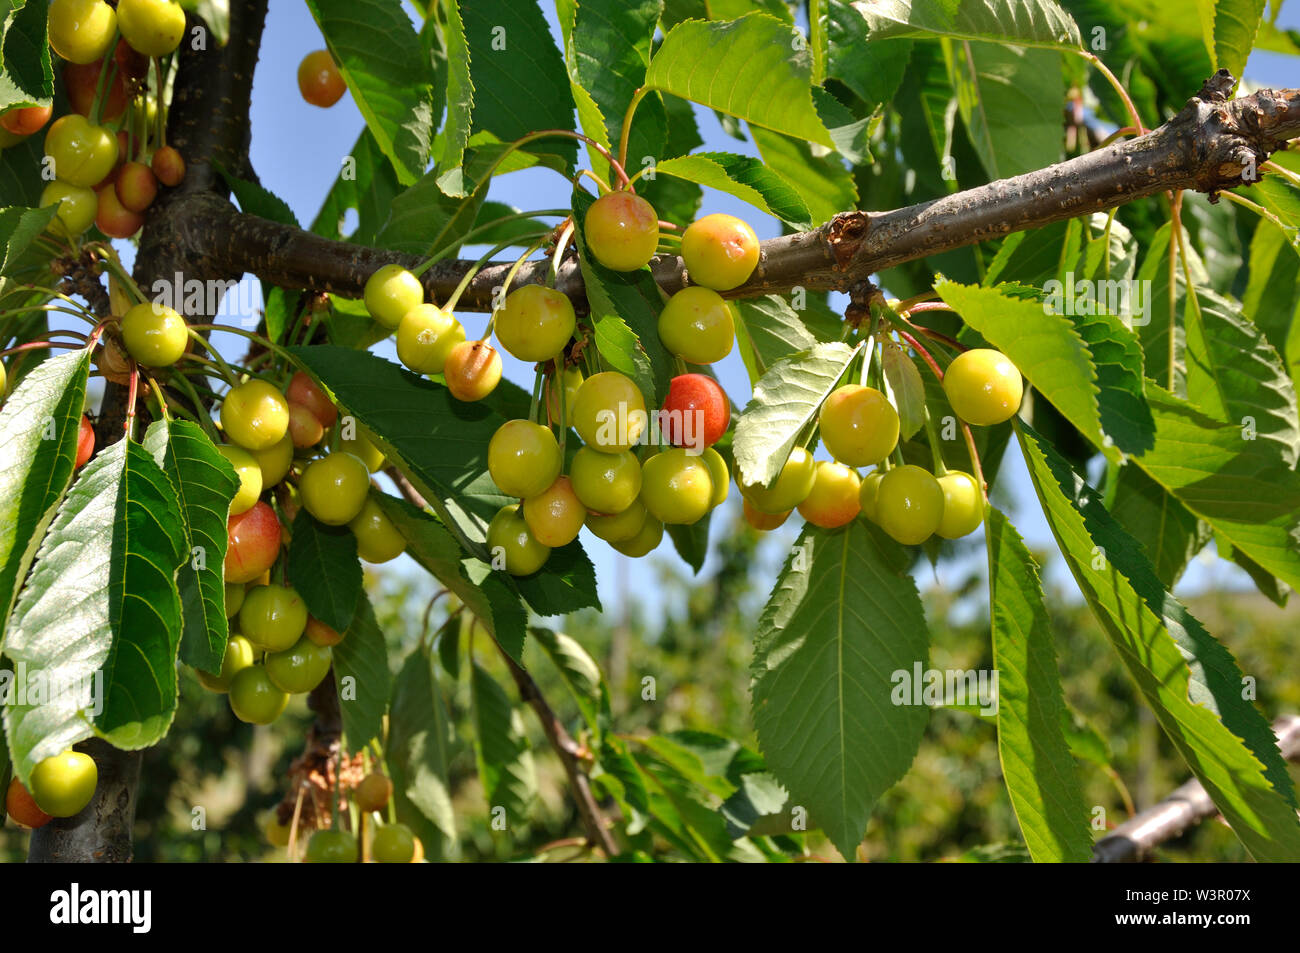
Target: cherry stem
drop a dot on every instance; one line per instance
(129, 426)
(936, 449)
(626, 131)
(570, 134)
(975, 460)
(452, 247)
(1095, 60)
(867, 355)
(474, 269)
(36, 345)
(916, 345)
(538, 382)
(601, 186)
(1257, 209)
(563, 243)
(103, 76)
(942, 338)
(158, 394)
(231, 377)
(1271, 166)
(1119, 134)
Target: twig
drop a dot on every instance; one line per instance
(1189, 804)
(570, 753)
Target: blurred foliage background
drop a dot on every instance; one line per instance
(693, 639)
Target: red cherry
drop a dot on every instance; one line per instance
(254, 543)
(303, 390)
(697, 411)
(85, 441)
(113, 219)
(136, 186)
(24, 122)
(169, 166)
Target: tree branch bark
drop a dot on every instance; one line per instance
(1189, 804)
(1208, 147)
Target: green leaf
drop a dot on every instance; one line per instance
(768, 329)
(692, 542)
(824, 183)
(873, 69)
(100, 613)
(565, 584)
(579, 672)
(425, 218)
(621, 349)
(906, 389)
(520, 83)
(505, 759)
(430, 544)
(26, 76)
(1233, 373)
(1169, 534)
(364, 682)
(419, 743)
(366, 184)
(632, 296)
(1162, 337)
(745, 178)
(389, 74)
(19, 227)
(20, 172)
(1117, 355)
(1236, 23)
(324, 569)
(254, 199)
(1035, 757)
(1022, 22)
(1010, 100)
(843, 622)
(204, 483)
(609, 50)
(676, 200)
(39, 423)
(460, 89)
(1229, 479)
(1190, 680)
(750, 68)
(1272, 297)
(786, 400)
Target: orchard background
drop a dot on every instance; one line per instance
(634, 734)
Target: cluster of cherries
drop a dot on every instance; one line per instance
(391, 843)
(275, 442)
(106, 161)
(859, 427)
(631, 477)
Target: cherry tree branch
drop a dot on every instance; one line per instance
(1188, 805)
(1213, 144)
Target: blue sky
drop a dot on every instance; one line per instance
(297, 150)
